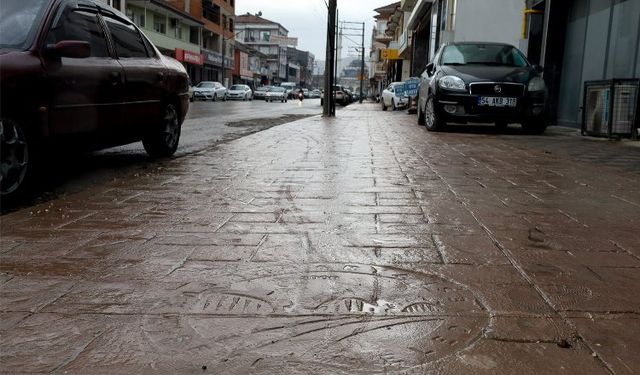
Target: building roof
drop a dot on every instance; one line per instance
(388, 8)
(255, 19)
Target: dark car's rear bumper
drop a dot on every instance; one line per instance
(530, 106)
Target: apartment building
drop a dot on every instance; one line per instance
(269, 38)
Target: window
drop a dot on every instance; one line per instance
(178, 31)
(137, 18)
(231, 24)
(80, 25)
(194, 35)
(159, 24)
(211, 11)
(126, 39)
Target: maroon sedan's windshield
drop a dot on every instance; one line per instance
(19, 21)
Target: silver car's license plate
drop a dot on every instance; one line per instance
(492, 101)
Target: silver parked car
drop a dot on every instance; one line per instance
(208, 90)
(240, 92)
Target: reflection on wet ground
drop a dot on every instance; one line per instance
(361, 244)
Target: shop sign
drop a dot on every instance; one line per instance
(390, 54)
(284, 40)
(212, 58)
(189, 57)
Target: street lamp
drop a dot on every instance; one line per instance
(224, 50)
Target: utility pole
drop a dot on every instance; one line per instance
(329, 61)
(362, 67)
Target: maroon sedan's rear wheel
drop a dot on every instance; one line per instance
(15, 167)
(163, 141)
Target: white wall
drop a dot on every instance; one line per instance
(489, 21)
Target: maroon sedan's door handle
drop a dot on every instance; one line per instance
(116, 78)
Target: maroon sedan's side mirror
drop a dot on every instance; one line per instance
(75, 49)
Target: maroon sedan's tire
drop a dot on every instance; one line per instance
(17, 163)
(163, 141)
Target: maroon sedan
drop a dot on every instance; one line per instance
(75, 73)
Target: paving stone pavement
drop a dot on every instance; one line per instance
(355, 245)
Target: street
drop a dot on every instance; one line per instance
(354, 245)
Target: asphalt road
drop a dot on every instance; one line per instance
(207, 124)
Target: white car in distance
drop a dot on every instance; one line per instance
(276, 94)
(394, 96)
(208, 90)
(240, 92)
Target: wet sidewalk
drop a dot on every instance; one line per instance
(358, 245)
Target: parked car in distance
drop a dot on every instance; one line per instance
(80, 75)
(394, 96)
(290, 87)
(482, 83)
(260, 92)
(315, 94)
(306, 93)
(276, 94)
(208, 90)
(339, 95)
(240, 92)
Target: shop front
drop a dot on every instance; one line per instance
(192, 61)
(212, 68)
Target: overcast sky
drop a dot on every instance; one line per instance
(307, 19)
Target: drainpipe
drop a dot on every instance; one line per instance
(525, 22)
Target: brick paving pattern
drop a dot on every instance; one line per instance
(362, 244)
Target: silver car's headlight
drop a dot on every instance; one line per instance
(452, 83)
(537, 84)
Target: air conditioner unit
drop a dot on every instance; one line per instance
(610, 108)
(596, 115)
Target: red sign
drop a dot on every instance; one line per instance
(189, 57)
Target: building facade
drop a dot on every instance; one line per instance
(267, 37)
(382, 64)
(582, 40)
(249, 67)
(306, 63)
(575, 41)
(218, 18)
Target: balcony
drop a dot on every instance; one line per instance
(408, 5)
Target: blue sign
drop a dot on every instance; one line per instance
(411, 86)
(399, 90)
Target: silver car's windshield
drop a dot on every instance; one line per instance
(19, 21)
(237, 88)
(206, 85)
